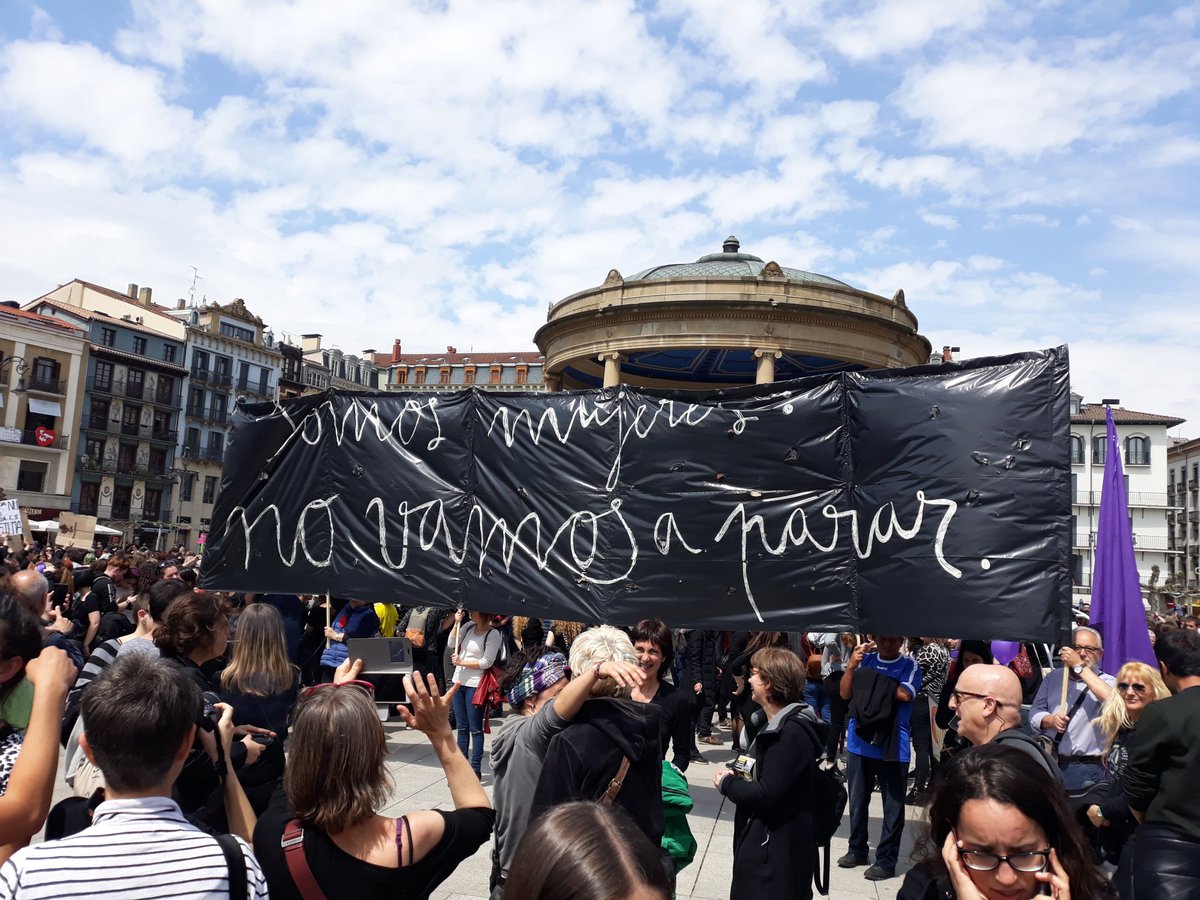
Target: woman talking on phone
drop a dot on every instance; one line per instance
(1000, 829)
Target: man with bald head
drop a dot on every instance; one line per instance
(987, 701)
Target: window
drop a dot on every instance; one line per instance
(45, 373)
(122, 495)
(89, 497)
(243, 375)
(108, 337)
(152, 505)
(522, 374)
(237, 331)
(135, 383)
(103, 378)
(158, 461)
(402, 375)
(444, 375)
(216, 445)
(185, 489)
(98, 414)
(210, 488)
(469, 375)
(1076, 450)
(264, 386)
(191, 442)
(32, 476)
(220, 404)
(1099, 445)
(162, 424)
(164, 390)
(195, 405)
(169, 353)
(139, 346)
(1137, 451)
(129, 419)
(494, 375)
(127, 457)
(93, 449)
(199, 361)
(419, 375)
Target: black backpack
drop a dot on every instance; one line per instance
(829, 800)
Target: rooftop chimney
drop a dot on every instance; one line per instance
(948, 353)
(396, 350)
(144, 296)
(132, 291)
(451, 349)
(179, 304)
(731, 245)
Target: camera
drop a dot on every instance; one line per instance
(209, 714)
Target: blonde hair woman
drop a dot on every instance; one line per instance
(261, 685)
(1138, 685)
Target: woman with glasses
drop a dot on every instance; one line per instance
(1000, 829)
(1138, 685)
(323, 834)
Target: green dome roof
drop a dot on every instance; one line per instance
(730, 263)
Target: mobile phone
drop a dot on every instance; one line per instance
(265, 739)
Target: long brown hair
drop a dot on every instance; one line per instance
(336, 773)
(260, 664)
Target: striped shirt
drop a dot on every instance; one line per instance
(135, 850)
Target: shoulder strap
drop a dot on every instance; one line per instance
(292, 843)
(1074, 708)
(614, 786)
(403, 835)
(235, 859)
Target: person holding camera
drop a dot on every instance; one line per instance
(140, 727)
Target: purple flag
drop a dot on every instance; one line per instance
(1117, 611)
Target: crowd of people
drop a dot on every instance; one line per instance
(231, 745)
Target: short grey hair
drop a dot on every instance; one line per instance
(598, 645)
(1090, 630)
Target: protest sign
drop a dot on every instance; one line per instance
(933, 500)
(10, 517)
(75, 530)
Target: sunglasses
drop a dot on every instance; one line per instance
(362, 685)
(1084, 648)
(1124, 686)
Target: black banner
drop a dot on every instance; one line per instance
(929, 501)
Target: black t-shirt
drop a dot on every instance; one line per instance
(105, 593)
(80, 611)
(342, 877)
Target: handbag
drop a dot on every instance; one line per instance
(1021, 665)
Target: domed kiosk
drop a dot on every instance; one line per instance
(724, 320)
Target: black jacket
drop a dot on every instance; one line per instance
(585, 757)
(675, 723)
(774, 852)
(874, 708)
(702, 655)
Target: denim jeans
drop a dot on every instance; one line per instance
(893, 776)
(1078, 774)
(469, 719)
(815, 696)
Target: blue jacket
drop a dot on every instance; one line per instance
(354, 622)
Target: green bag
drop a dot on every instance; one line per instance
(677, 839)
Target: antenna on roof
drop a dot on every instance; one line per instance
(192, 289)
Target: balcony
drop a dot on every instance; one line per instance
(134, 390)
(1152, 499)
(430, 388)
(42, 385)
(215, 416)
(97, 423)
(151, 473)
(201, 375)
(85, 507)
(173, 399)
(105, 385)
(30, 436)
(164, 436)
(220, 379)
(212, 454)
(130, 429)
(256, 389)
(121, 512)
(106, 465)
(195, 412)
(190, 451)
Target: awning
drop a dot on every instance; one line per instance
(45, 407)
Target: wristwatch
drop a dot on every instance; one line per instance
(1078, 670)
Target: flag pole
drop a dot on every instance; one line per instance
(328, 620)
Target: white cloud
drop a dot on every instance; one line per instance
(938, 220)
(893, 27)
(1021, 105)
(1033, 219)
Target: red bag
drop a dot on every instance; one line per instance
(1021, 664)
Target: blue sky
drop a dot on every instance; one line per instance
(440, 172)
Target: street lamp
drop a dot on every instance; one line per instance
(19, 365)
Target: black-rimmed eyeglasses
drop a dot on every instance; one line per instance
(983, 861)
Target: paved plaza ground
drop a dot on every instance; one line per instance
(419, 784)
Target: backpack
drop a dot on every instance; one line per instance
(677, 841)
(415, 632)
(829, 800)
